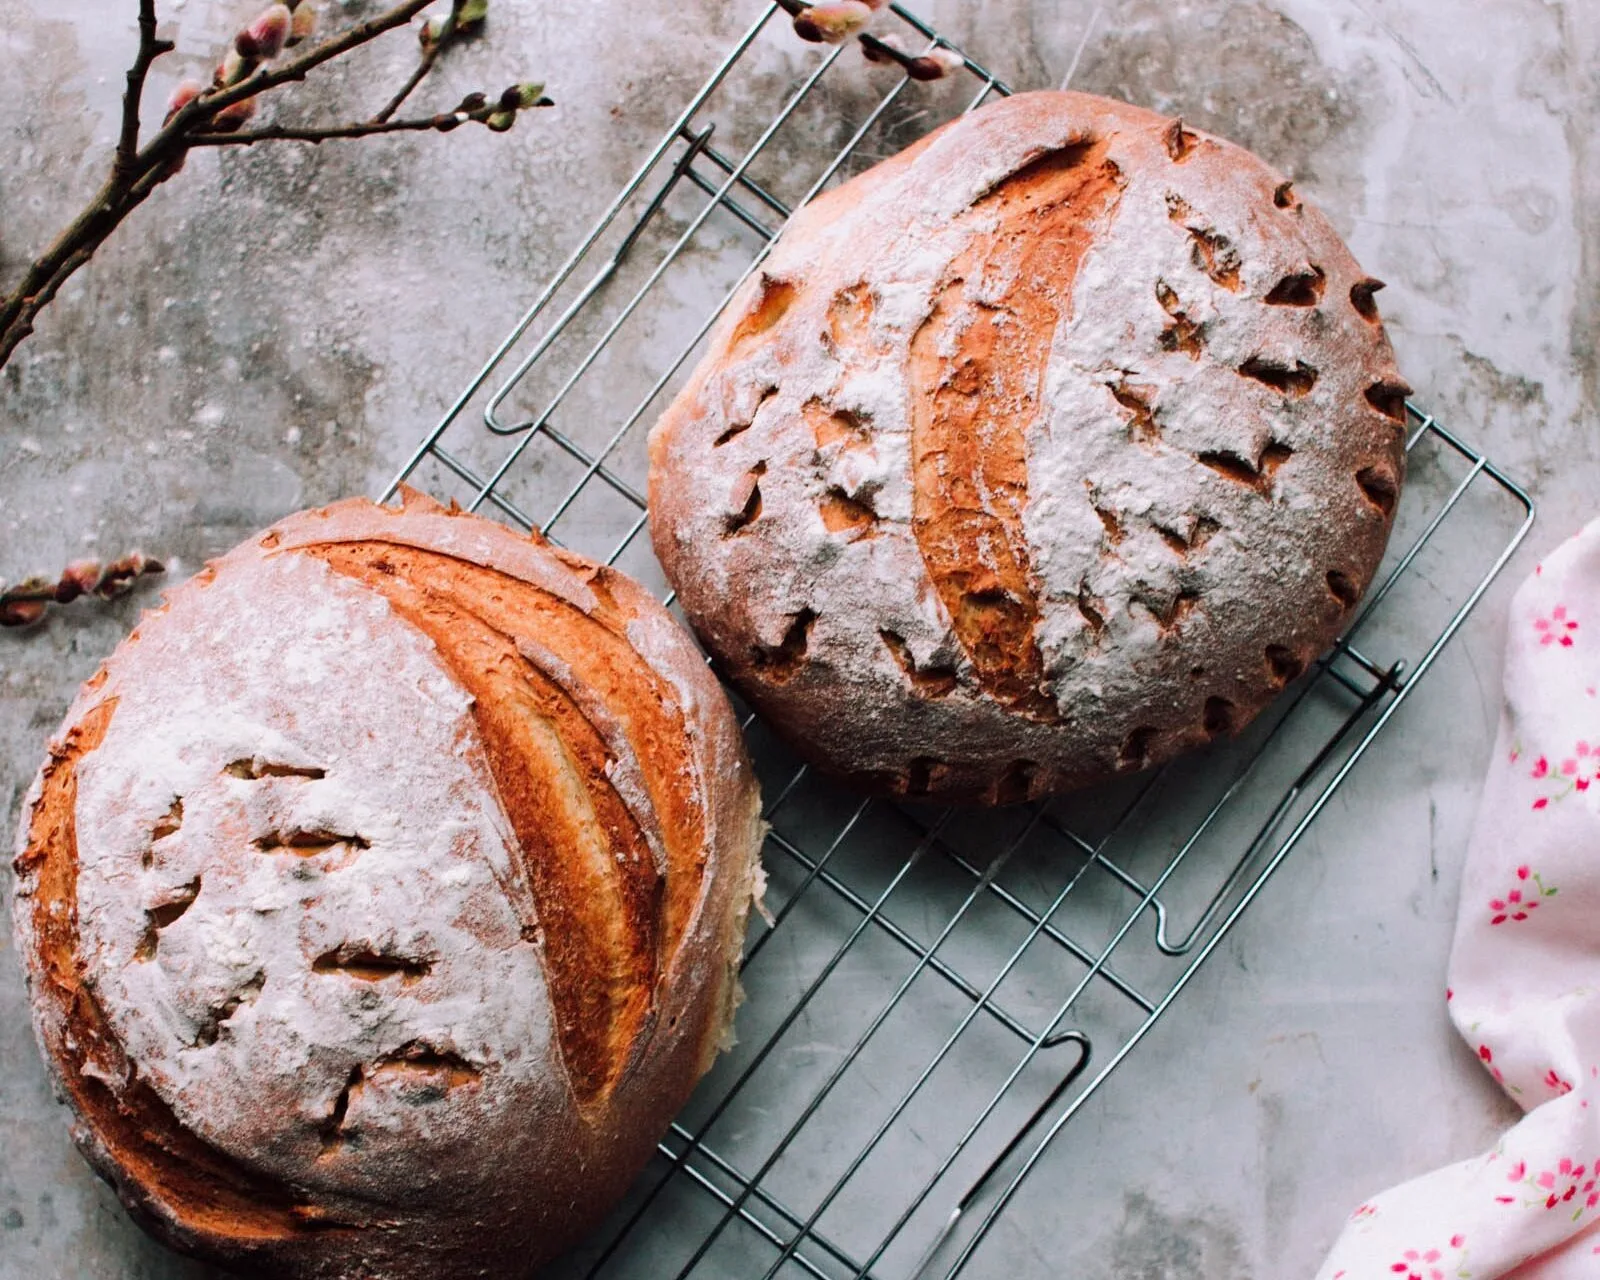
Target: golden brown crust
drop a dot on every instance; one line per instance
(133, 1128)
(979, 374)
(1065, 436)
(520, 844)
(594, 880)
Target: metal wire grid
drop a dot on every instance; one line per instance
(1010, 951)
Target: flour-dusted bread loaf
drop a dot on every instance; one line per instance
(382, 897)
(1050, 447)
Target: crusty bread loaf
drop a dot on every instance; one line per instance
(382, 897)
(1048, 448)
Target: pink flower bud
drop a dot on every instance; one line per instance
(118, 576)
(876, 49)
(235, 66)
(264, 37)
(936, 64)
(20, 613)
(303, 26)
(186, 92)
(234, 115)
(77, 579)
(833, 22)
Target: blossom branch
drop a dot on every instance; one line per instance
(465, 18)
(430, 55)
(150, 48)
(835, 21)
(28, 601)
(213, 116)
(443, 123)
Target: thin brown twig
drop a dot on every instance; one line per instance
(27, 602)
(70, 250)
(430, 55)
(424, 65)
(291, 68)
(139, 170)
(358, 129)
(136, 172)
(150, 48)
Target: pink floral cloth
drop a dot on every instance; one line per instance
(1524, 974)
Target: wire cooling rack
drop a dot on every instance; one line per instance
(938, 993)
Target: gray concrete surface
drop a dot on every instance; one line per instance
(275, 328)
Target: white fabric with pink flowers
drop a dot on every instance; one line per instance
(1524, 974)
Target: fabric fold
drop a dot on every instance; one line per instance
(1524, 979)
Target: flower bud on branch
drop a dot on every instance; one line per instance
(26, 602)
(185, 93)
(469, 17)
(936, 64)
(833, 22)
(233, 68)
(529, 94)
(20, 613)
(234, 116)
(302, 25)
(266, 35)
(889, 48)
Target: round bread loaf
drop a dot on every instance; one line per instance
(382, 897)
(1052, 446)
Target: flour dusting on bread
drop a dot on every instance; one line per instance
(1072, 446)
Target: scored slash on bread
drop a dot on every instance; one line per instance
(1051, 447)
(383, 895)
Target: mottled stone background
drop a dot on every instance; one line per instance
(276, 327)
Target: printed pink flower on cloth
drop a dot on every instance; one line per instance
(1486, 1056)
(1517, 904)
(1569, 1184)
(1571, 772)
(1432, 1264)
(1522, 986)
(1554, 1080)
(1557, 628)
